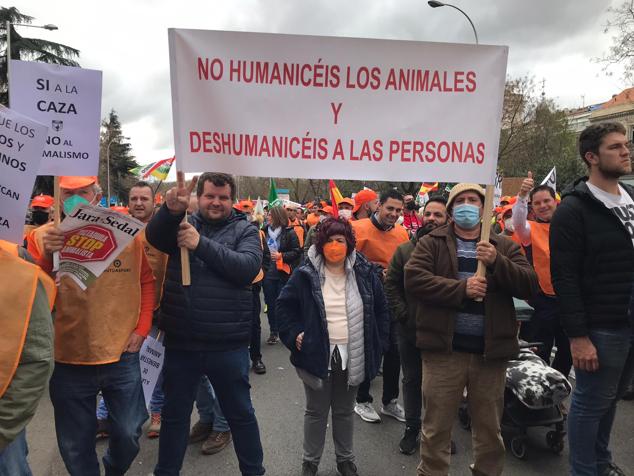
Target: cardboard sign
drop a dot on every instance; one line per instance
(95, 236)
(21, 144)
(151, 357)
(68, 101)
(339, 108)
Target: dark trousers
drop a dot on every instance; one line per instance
(546, 327)
(391, 373)
(256, 328)
(272, 289)
(228, 372)
(74, 389)
(412, 378)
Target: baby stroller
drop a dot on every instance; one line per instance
(532, 395)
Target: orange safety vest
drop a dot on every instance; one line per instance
(540, 245)
(377, 245)
(18, 286)
(93, 326)
(312, 219)
(299, 231)
(158, 263)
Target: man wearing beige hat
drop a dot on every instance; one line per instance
(466, 329)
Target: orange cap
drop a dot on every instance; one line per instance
(327, 209)
(506, 209)
(347, 200)
(73, 182)
(244, 206)
(364, 196)
(42, 201)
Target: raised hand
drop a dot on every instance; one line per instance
(177, 198)
(527, 185)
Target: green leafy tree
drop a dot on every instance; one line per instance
(116, 151)
(29, 49)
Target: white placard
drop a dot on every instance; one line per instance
(21, 144)
(151, 357)
(94, 237)
(342, 108)
(68, 101)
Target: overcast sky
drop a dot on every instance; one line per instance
(554, 40)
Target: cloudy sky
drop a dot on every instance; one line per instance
(550, 40)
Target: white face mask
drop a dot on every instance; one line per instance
(400, 220)
(322, 218)
(508, 225)
(347, 214)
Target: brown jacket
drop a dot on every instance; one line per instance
(431, 274)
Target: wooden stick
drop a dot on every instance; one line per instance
(185, 270)
(485, 232)
(56, 200)
(56, 215)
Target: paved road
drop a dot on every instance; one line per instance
(278, 398)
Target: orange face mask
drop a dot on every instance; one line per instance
(335, 252)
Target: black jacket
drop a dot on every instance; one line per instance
(215, 312)
(289, 247)
(591, 262)
(300, 308)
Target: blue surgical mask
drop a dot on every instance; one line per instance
(466, 216)
(71, 202)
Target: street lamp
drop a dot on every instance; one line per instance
(8, 24)
(436, 4)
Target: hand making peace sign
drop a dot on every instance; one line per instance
(177, 198)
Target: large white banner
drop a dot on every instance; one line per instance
(68, 101)
(343, 108)
(21, 145)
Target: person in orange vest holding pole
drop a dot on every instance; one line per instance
(98, 334)
(534, 235)
(26, 351)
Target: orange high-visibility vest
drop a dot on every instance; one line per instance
(18, 286)
(540, 245)
(158, 263)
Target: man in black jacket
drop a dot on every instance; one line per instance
(592, 267)
(207, 324)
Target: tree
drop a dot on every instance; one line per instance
(535, 136)
(622, 50)
(116, 151)
(29, 49)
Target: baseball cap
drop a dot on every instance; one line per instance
(347, 200)
(72, 182)
(42, 201)
(326, 209)
(464, 187)
(244, 205)
(364, 196)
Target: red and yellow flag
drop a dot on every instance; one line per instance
(335, 197)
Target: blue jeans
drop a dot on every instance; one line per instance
(73, 390)
(156, 401)
(13, 458)
(228, 372)
(209, 408)
(594, 399)
(272, 289)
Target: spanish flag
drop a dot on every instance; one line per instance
(335, 197)
(426, 187)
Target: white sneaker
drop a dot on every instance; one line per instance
(367, 413)
(394, 410)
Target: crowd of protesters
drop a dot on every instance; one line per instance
(368, 285)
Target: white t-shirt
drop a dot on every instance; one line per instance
(621, 205)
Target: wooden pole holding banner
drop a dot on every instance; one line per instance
(56, 215)
(485, 232)
(185, 270)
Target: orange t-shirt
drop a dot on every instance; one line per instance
(377, 245)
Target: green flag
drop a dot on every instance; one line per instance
(273, 200)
